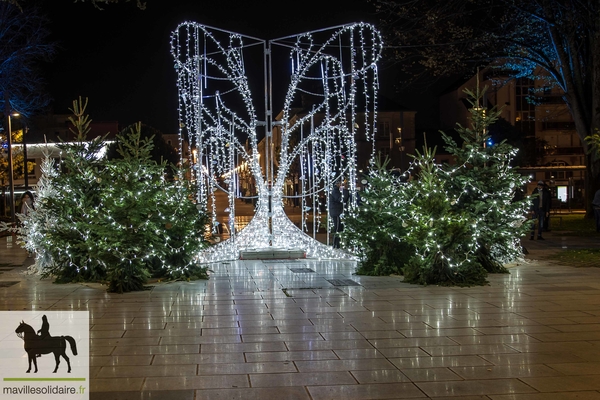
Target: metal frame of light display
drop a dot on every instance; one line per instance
(335, 68)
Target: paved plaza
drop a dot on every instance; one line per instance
(300, 329)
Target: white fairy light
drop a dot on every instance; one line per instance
(336, 67)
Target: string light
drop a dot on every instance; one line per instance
(337, 67)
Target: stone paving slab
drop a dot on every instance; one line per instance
(532, 334)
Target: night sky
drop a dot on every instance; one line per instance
(120, 57)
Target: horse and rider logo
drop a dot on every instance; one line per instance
(41, 343)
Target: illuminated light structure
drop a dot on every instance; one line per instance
(335, 67)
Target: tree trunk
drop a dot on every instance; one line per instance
(584, 104)
(593, 157)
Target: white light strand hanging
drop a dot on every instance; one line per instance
(333, 79)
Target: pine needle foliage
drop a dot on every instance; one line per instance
(449, 224)
(440, 234)
(113, 221)
(375, 229)
(130, 235)
(73, 206)
(487, 187)
(182, 230)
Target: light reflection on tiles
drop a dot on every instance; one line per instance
(257, 321)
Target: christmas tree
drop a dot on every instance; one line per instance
(487, 187)
(131, 235)
(440, 233)
(33, 228)
(376, 228)
(61, 229)
(455, 223)
(184, 230)
(116, 221)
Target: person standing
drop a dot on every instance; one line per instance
(26, 203)
(337, 199)
(540, 208)
(596, 205)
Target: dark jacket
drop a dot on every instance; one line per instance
(336, 202)
(543, 196)
(337, 199)
(596, 201)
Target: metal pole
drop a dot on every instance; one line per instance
(25, 130)
(268, 76)
(11, 200)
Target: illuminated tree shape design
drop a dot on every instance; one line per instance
(336, 68)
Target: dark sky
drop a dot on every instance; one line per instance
(120, 57)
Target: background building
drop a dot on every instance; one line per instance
(545, 132)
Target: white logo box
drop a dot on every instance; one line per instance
(16, 383)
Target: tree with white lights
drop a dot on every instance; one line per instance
(376, 229)
(61, 228)
(441, 234)
(486, 187)
(153, 225)
(336, 68)
(116, 221)
(454, 223)
(39, 221)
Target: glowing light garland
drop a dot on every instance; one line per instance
(336, 67)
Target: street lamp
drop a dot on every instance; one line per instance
(25, 164)
(11, 200)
